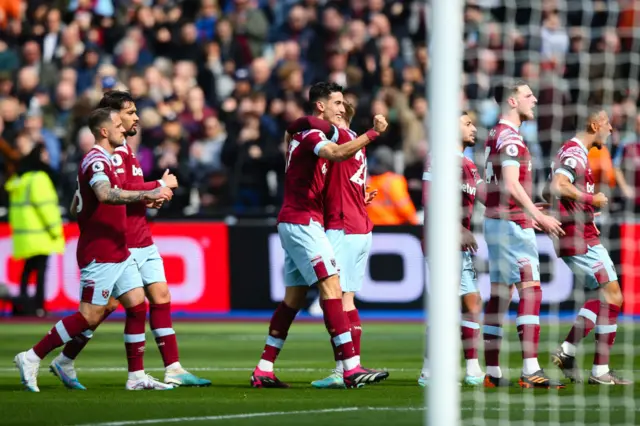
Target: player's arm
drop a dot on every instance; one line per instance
(308, 123)
(73, 210)
(107, 194)
(334, 152)
(562, 186)
(511, 175)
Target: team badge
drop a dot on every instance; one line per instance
(512, 150)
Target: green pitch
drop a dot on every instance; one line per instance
(226, 354)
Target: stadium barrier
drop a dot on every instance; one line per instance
(215, 268)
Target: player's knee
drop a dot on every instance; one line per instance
(295, 297)
(472, 304)
(132, 298)
(158, 293)
(348, 301)
(112, 305)
(93, 314)
(613, 294)
(330, 288)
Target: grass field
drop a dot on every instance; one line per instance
(227, 352)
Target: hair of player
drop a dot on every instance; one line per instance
(463, 113)
(503, 92)
(115, 99)
(593, 116)
(323, 90)
(350, 111)
(97, 118)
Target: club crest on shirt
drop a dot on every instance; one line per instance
(105, 294)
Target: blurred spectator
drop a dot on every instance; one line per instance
(217, 81)
(34, 218)
(392, 205)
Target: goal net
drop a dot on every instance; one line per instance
(576, 56)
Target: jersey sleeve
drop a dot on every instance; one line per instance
(315, 140)
(98, 170)
(571, 164)
(511, 148)
(310, 123)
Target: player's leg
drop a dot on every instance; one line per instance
(281, 320)
(564, 356)
(63, 366)
(471, 303)
(130, 292)
(496, 232)
(526, 276)
(607, 321)
(151, 269)
(285, 313)
(95, 291)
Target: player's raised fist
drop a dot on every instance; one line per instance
(600, 200)
(170, 179)
(380, 123)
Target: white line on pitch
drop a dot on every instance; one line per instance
(331, 410)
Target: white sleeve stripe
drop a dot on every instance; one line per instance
(479, 181)
(93, 158)
(320, 145)
(311, 132)
(426, 176)
(509, 141)
(98, 177)
(580, 160)
(566, 173)
(510, 163)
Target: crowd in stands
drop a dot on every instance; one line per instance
(217, 81)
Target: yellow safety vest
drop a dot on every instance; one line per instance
(34, 215)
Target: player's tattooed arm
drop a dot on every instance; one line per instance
(108, 195)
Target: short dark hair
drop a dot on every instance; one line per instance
(115, 99)
(463, 113)
(98, 117)
(323, 90)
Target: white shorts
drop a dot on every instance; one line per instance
(595, 266)
(150, 264)
(99, 281)
(308, 255)
(513, 252)
(352, 254)
(469, 278)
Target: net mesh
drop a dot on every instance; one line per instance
(574, 55)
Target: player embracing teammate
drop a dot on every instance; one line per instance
(309, 255)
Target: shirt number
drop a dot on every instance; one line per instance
(360, 176)
(80, 203)
(292, 147)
